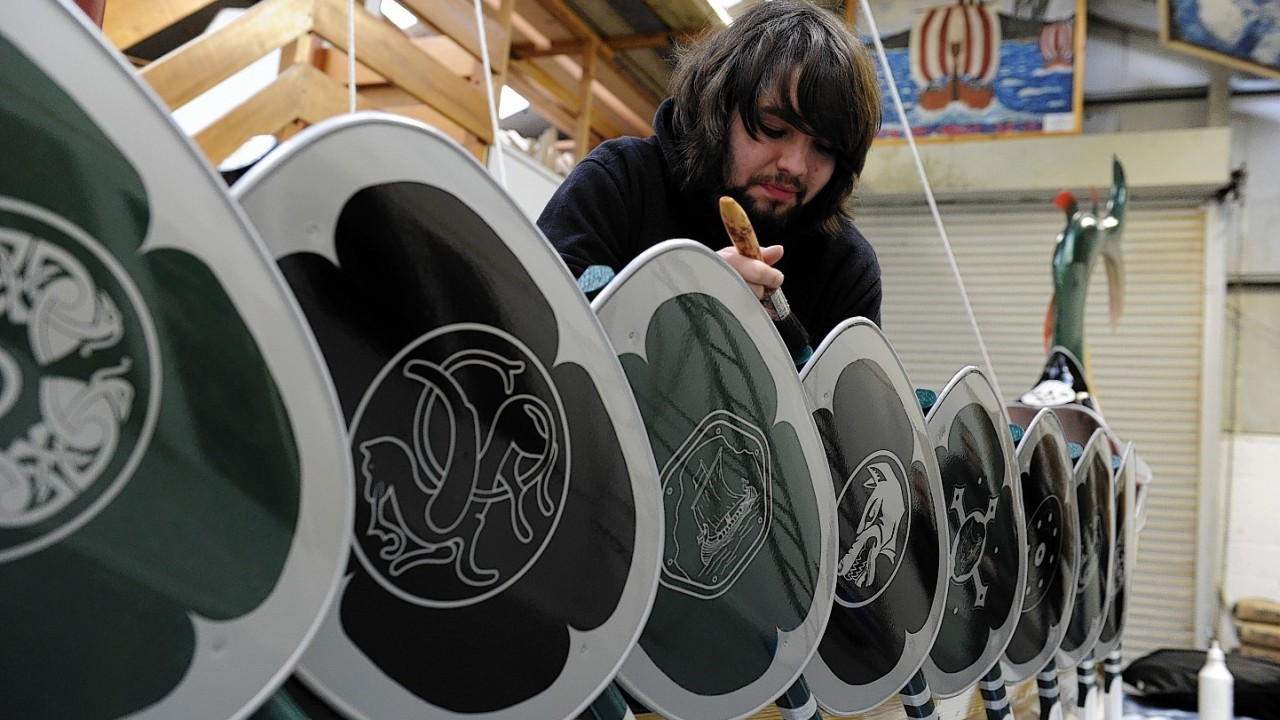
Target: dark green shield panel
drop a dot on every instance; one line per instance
(174, 500)
(507, 522)
(1095, 504)
(1053, 543)
(986, 565)
(1124, 553)
(747, 565)
(891, 571)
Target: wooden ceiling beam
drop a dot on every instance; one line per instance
(128, 22)
(185, 73)
(617, 43)
(386, 51)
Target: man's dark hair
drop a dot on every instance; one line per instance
(837, 99)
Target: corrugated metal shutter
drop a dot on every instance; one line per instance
(1147, 373)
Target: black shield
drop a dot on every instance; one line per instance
(891, 569)
(1124, 553)
(1053, 543)
(987, 570)
(1095, 504)
(506, 523)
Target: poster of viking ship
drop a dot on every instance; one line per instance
(972, 67)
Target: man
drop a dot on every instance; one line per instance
(778, 111)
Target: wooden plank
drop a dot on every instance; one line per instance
(457, 20)
(387, 51)
(274, 107)
(576, 25)
(321, 96)
(617, 43)
(541, 103)
(183, 74)
(586, 95)
(128, 22)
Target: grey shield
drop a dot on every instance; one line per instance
(892, 568)
(1053, 543)
(748, 563)
(507, 526)
(970, 433)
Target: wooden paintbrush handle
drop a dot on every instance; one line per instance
(739, 228)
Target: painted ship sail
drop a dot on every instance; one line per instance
(1057, 44)
(955, 54)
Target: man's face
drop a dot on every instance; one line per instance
(774, 175)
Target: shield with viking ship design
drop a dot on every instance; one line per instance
(891, 566)
(174, 499)
(507, 521)
(1095, 505)
(1124, 552)
(1053, 543)
(986, 565)
(748, 560)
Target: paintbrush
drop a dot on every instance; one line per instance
(738, 225)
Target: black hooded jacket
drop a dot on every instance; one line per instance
(622, 199)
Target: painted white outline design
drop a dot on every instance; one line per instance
(733, 516)
(450, 477)
(972, 559)
(45, 288)
(876, 536)
(1047, 552)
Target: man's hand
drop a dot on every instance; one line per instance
(760, 276)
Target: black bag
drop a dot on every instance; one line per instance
(1168, 679)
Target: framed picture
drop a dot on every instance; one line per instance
(1243, 35)
(969, 68)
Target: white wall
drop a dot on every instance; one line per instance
(1247, 491)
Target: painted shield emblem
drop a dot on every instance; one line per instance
(1053, 543)
(507, 521)
(1095, 506)
(170, 448)
(891, 570)
(747, 567)
(1124, 553)
(970, 433)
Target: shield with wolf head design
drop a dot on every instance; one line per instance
(748, 563)
(891, 569)
(1095, 505)
(987, 569)
(174, 500)
(507, 521)
(1053, 543)
(1124, 552)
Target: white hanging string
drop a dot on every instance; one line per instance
(928, 193)
(351, 55)
(493, 103)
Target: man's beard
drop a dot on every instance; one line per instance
(771, 219)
